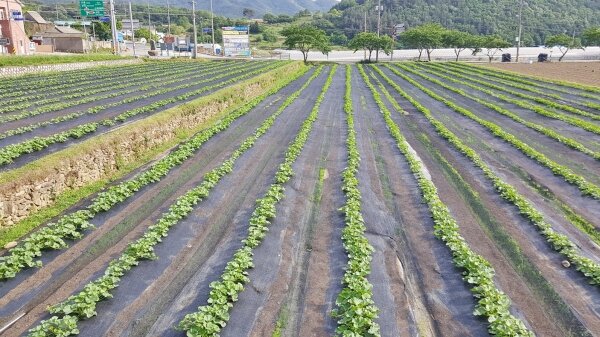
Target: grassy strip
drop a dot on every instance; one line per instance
(586, 188)
(13, 151)
(356, 311)
(13, 61)
(537, 99)
(209, 319)
(83, 305)
(567, 84)
(559, 242)
(491, 302)
(72, 225)
(539, 128)
(513, 82)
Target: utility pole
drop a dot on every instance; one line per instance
(149, 21)
(520, 29)
(113, 28)
(378, 27)
(132, 32)
(365, 27)
(212, 24)
(168, 19)
(195, 51)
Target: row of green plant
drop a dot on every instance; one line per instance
(355, 309)
(492, 303)
(559, 242)
(537, 127)
(586, 188)
(209, 319)
(31, 84)
(579, 86)
(64, 105)
(538, 109)
(16, 96)
(190, 81)
(13, 151)
(85, 80)
(525, 86)
(83, 305)
(537, 99)
(71, 226)
(573, 120)
(128, 80)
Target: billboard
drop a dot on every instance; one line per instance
(236, 41)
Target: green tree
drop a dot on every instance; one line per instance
(493, 44)
(458, 40)
(564, 43)
(591, 36)
(427, 37)
(144, 33)
(269, 36)
(371, 42)
(306, 38)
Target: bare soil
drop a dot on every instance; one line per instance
(578, 72)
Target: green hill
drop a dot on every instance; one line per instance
(540, 17)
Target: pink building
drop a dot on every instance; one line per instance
(12, 28)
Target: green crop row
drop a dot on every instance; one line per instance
(209, 319)
(584, 186)
(64, 105)
(492, 303)
(83, 305)
(559, 242)
(13, 151)
(516, 82)
(355, 309)
(162, 83)
(536, 108)
(538, 79)
(65, 94)
(70, 226)
(539, 128)
(36, 82)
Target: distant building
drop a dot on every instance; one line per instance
(64, 39)
(13, 38)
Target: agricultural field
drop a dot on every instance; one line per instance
(403, 199)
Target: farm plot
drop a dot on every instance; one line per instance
(369, 200)
(30, 132)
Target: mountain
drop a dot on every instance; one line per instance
(234, 8)
(540, 17)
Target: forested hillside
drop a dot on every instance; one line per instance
(540, 17)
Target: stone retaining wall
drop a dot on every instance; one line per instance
(21, 197)
(18, 71)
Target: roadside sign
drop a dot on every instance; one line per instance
(127, 24)
(4, 41)
(93, 8)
